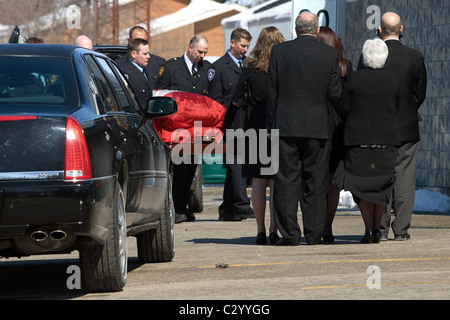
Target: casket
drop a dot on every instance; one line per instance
(198, 121)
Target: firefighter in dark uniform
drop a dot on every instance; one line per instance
(138, 56)
(154, 64)
(223, 76)
(187, 73)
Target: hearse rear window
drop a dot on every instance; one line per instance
(37, 80)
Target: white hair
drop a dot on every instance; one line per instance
(375, 53)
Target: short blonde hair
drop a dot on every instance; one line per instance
(375, 53)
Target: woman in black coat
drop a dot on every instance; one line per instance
(327, 36)
(371, 137)
(254, 78)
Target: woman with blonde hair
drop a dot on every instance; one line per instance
(250, 95)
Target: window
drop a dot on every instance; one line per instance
(117, 87)
(37, 81)
(106, 93)
(128, 90)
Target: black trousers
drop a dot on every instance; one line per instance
(183, 175)
(235, 198)
(308, 160)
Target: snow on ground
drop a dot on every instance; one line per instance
(425, 201)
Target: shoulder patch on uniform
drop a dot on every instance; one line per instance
(161, 71)
(211, 74)
(171, 60)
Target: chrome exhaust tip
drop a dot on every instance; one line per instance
(38, 235)
(58, 235)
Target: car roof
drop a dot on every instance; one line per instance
(108, 47)
(38, 49)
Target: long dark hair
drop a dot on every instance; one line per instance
(327, 36)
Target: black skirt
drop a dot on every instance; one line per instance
(369, 173)
(252, 169)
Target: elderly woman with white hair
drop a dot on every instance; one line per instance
(371, 137)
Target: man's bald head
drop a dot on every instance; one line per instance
(391, 25)
(83, 41)
(307, 23)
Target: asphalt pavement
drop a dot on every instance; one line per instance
(220, 261)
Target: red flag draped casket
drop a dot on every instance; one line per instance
(198, 119)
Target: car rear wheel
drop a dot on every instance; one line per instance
(196, 191)
(104, 266)
(158, 245)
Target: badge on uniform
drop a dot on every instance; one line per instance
(53, 78)
(211, 74)
(161, 71)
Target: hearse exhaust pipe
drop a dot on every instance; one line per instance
(58, 235)
(45, 238)
(55, 235)
(38, 235)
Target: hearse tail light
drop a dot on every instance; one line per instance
(77, 165)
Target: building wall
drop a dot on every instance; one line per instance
(427, 29)
(174, 43)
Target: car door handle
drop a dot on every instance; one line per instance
(123, 137)
(140, 137)
(2, 200)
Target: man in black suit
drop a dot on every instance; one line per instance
(303, 77)
(408, 66)
(223, 76)
(155, 62)
(138, 55)
(187, 73)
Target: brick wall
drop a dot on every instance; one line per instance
(174, 43)
(427, 29)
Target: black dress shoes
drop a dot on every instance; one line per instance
(246, 215)
(190, 216)
(328, 238)
(184, 216)
(372, 236)
(376, 236)
(230, 218)
(261, 238)
(286, 242)
(367, 238)
(180, 217)
(274, 238)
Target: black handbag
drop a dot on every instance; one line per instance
(237, 114)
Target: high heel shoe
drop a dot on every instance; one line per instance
(367, 238)
(273, 236)
(376, 236)
(261, 238)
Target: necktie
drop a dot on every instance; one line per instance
(194, 71)
(240, 64)
(145, 73)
